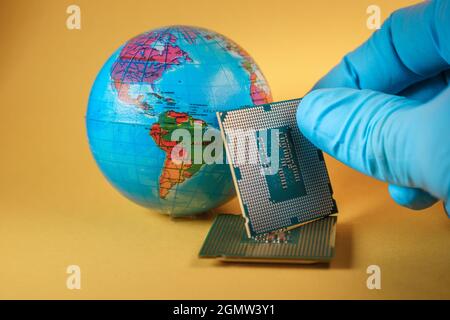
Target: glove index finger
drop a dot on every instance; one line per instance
(412, 45)
(374, 139)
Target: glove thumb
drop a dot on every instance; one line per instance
(372, 132)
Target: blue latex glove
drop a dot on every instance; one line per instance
(386, 111)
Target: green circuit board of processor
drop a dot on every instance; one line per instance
(227, 240)
(287, 183)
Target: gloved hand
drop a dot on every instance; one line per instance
(386, 111)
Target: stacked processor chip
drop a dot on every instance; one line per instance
(285, 195)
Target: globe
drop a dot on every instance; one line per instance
(170, 78)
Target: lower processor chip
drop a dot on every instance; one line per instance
(311, 243)
(280, 177)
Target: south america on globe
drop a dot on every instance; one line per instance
(166, 79)
(174, 172)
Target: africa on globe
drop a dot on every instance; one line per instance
(166, 79)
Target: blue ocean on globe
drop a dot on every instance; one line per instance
(157, 82)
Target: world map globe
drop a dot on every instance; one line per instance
(159, 81)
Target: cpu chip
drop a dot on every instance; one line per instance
(311, 243)
(280, 177)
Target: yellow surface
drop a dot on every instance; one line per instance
(57, 209)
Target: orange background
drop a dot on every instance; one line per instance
(56, 208)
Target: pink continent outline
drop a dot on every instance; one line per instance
(142, 60)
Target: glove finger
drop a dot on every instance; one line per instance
(367, 130)
(428, 89)
(393, 58)
(412, 198)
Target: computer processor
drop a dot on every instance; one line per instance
(227, 241)
(280, 177)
